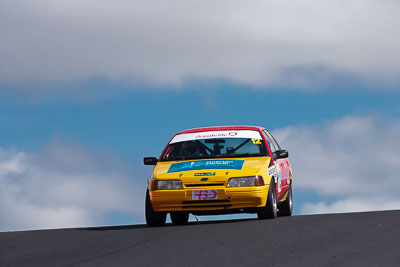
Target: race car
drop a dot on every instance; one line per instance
(219, 170)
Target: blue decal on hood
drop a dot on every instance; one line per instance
(206, 165)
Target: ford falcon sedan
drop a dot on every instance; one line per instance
(219, 170)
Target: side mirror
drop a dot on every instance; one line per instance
(150, 160)
(281, 154)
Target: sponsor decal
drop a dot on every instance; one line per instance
(206, 165)
(279, 176)
(204, 136)
(204, 194)
(271, 171)
(204, 174)
(216, 134)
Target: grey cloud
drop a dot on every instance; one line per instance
(65, 185)
(262, 43)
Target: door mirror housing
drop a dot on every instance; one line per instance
(150, 160)
(281, 154)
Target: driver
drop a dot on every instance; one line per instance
(189, 148)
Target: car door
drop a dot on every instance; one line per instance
(282, 166)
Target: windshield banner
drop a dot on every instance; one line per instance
(216, 134)
(206, 165)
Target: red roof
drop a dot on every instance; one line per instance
(222, 128)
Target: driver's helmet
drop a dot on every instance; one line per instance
(189, 148)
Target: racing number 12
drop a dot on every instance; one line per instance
(256, 141)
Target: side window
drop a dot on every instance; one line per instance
(270, 142)
(277, 146)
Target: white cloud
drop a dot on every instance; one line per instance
(354, 160)
(303, 44)
(64, 185)
(351, 205)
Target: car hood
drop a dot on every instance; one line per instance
(216, 170)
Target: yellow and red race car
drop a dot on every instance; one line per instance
(219, 170)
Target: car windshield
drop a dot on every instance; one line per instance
(214, 148)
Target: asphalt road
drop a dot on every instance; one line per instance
(353, 239)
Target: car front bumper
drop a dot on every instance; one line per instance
(227, 198)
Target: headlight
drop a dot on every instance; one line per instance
(166, 184)
(256, 180)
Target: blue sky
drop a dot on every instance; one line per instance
(76, 119)
(122, 121)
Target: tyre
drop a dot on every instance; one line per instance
(269, 211)
(179, 217)
(153, 218)
(286, 207)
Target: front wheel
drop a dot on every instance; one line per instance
(269, 211)
(153, 218)
(285, 209)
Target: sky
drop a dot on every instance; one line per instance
(88, 88)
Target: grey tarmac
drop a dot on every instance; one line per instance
(350, 239)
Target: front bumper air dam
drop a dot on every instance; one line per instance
(227, 198)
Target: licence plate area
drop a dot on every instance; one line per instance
(204, 194)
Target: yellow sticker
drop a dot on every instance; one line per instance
(256, 141)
